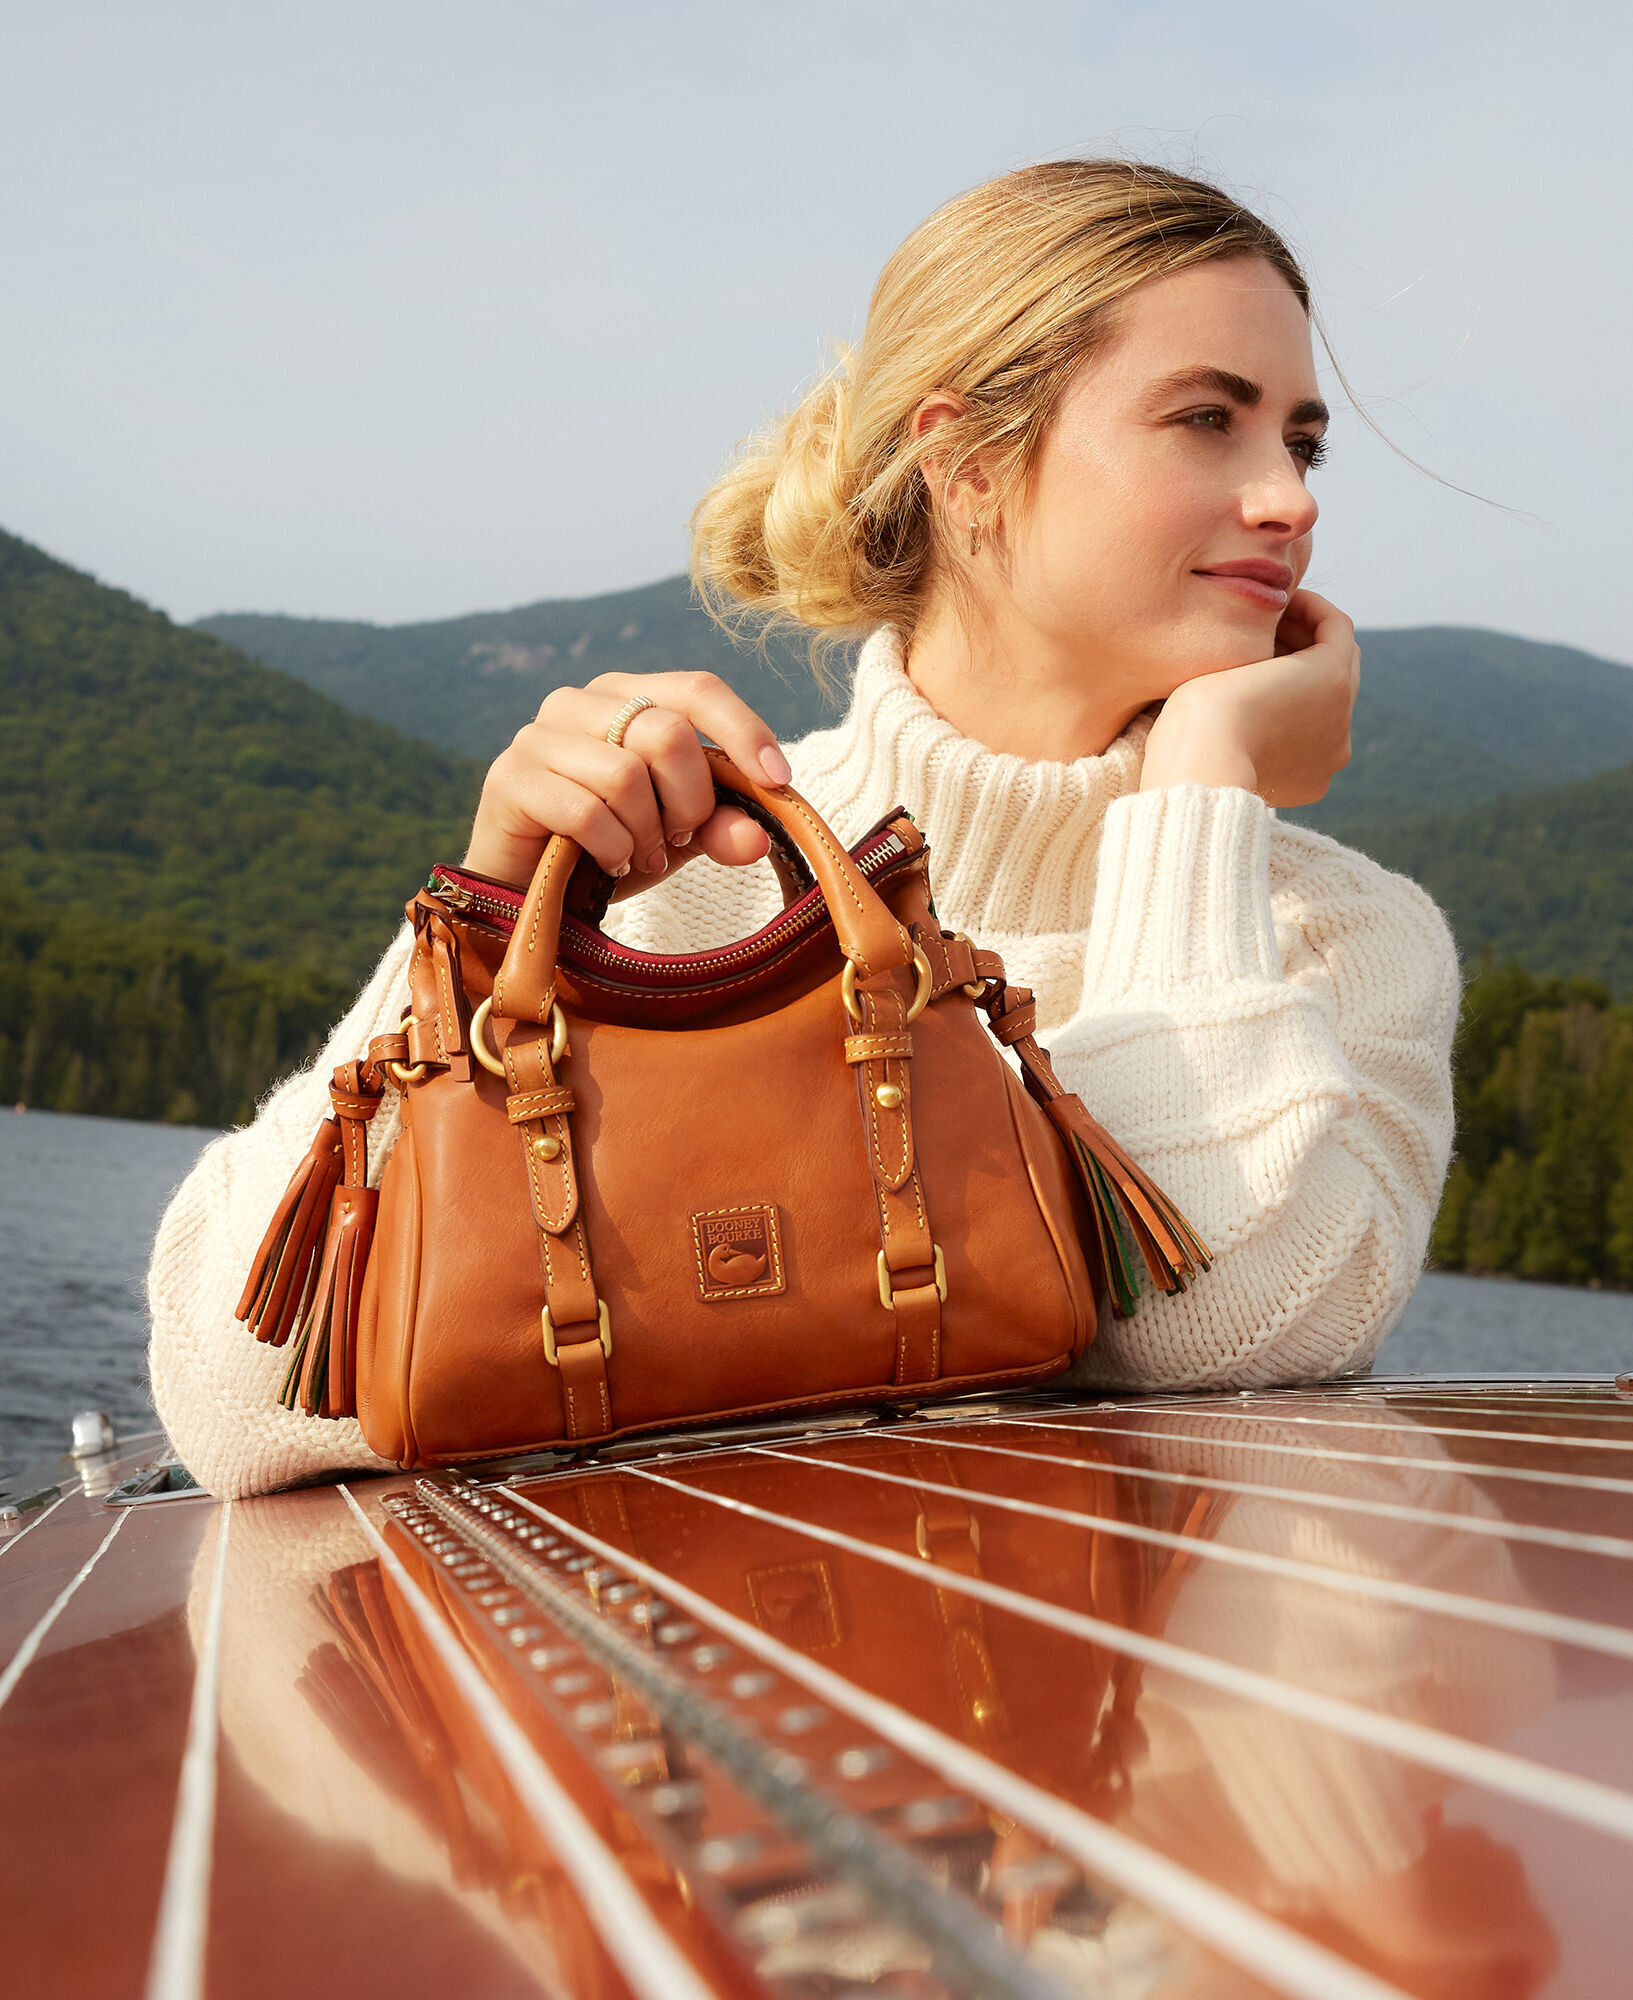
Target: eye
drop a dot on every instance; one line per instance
(1310, 448)
(1215, 419)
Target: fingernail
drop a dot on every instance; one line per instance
(775, 766)
(656, 862)
(620, 871)
(680, 839)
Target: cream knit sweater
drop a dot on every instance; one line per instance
(1260, 1016)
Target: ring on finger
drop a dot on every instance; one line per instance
(625, 716)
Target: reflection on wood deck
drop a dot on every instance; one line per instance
(1322, 1693)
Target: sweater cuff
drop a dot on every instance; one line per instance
(1182, 895)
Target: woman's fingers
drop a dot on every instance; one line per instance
(713, 709)
(634, 806)
(531, 802)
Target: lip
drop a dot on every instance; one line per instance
(1265, 583)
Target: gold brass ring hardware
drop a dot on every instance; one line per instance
(888, 1302)
(976, 991)
(480, 1039)
(921, 998)
(400, 1071)
(603, 1328)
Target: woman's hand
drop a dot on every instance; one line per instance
(1280, 727)
(635, 808)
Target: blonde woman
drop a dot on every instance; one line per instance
(1062, 488)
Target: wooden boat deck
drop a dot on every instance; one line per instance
(1322, 1693)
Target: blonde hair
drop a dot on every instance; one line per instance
(826, 519)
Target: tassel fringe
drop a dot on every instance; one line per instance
(321, 1378)
(1136, 1222)
(278, 1289)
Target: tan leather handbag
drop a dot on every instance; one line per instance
(636, 1191)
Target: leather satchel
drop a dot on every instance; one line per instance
(634, 1191)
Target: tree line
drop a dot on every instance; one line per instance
(146, 1021)
(1542, 1183)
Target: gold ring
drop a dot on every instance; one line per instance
(489, 1061)
(406, 1076)
(625, 716)
(926, 979)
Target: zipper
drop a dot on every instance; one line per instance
(476, 894)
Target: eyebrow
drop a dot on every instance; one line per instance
(1239, 389)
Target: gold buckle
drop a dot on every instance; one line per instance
(921, 996)
(885, 1298)
(490, 1062)
(604, 1328)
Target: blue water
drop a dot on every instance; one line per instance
(80, 1199)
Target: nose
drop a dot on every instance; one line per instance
(1277, 502)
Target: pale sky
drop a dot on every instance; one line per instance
(396, 311)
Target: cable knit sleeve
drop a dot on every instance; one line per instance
(214, 1385)
(1266, 1024)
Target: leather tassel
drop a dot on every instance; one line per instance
(275, 1294)
(1136, 1221)
(322, 1374)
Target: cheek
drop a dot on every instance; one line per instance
(1124, 525)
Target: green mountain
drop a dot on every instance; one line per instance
(202, 856)
(149, 772)
(1544, 879)
(1450, 716)
(472, 682)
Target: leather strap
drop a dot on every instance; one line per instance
(906, 1243)
(868, 932)
(538, 1108)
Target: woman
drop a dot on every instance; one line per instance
(1062, 485)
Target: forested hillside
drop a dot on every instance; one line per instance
(202, 856)
(472, 682)
(149, 771)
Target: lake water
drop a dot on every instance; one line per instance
(80, 1199)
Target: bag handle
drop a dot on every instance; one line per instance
(869, 936)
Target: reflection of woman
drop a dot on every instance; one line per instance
(1345, 1839)
(1062, 485)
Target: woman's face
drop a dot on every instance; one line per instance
(1168, 518)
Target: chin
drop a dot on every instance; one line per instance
(1238, 644)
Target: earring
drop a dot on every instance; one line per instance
(975, 538)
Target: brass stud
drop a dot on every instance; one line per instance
(888, 1097)
(547, 1146)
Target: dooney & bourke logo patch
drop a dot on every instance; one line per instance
(738, 1252)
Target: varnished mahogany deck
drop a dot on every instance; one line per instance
(1322, 1693)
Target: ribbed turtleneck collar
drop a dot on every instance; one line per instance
(1012, 843)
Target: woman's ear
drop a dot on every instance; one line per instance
(966, 500)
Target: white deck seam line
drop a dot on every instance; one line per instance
(1585, 1482)
(23, 1534)
(1276, 1416)
(1383, 1510)
(20, 1660)
(1581, 1799)
(1552, 1625)
(637, 1944)
(176, 1970)
(1239, 1932)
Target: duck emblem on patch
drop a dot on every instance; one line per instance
(738, 1252)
